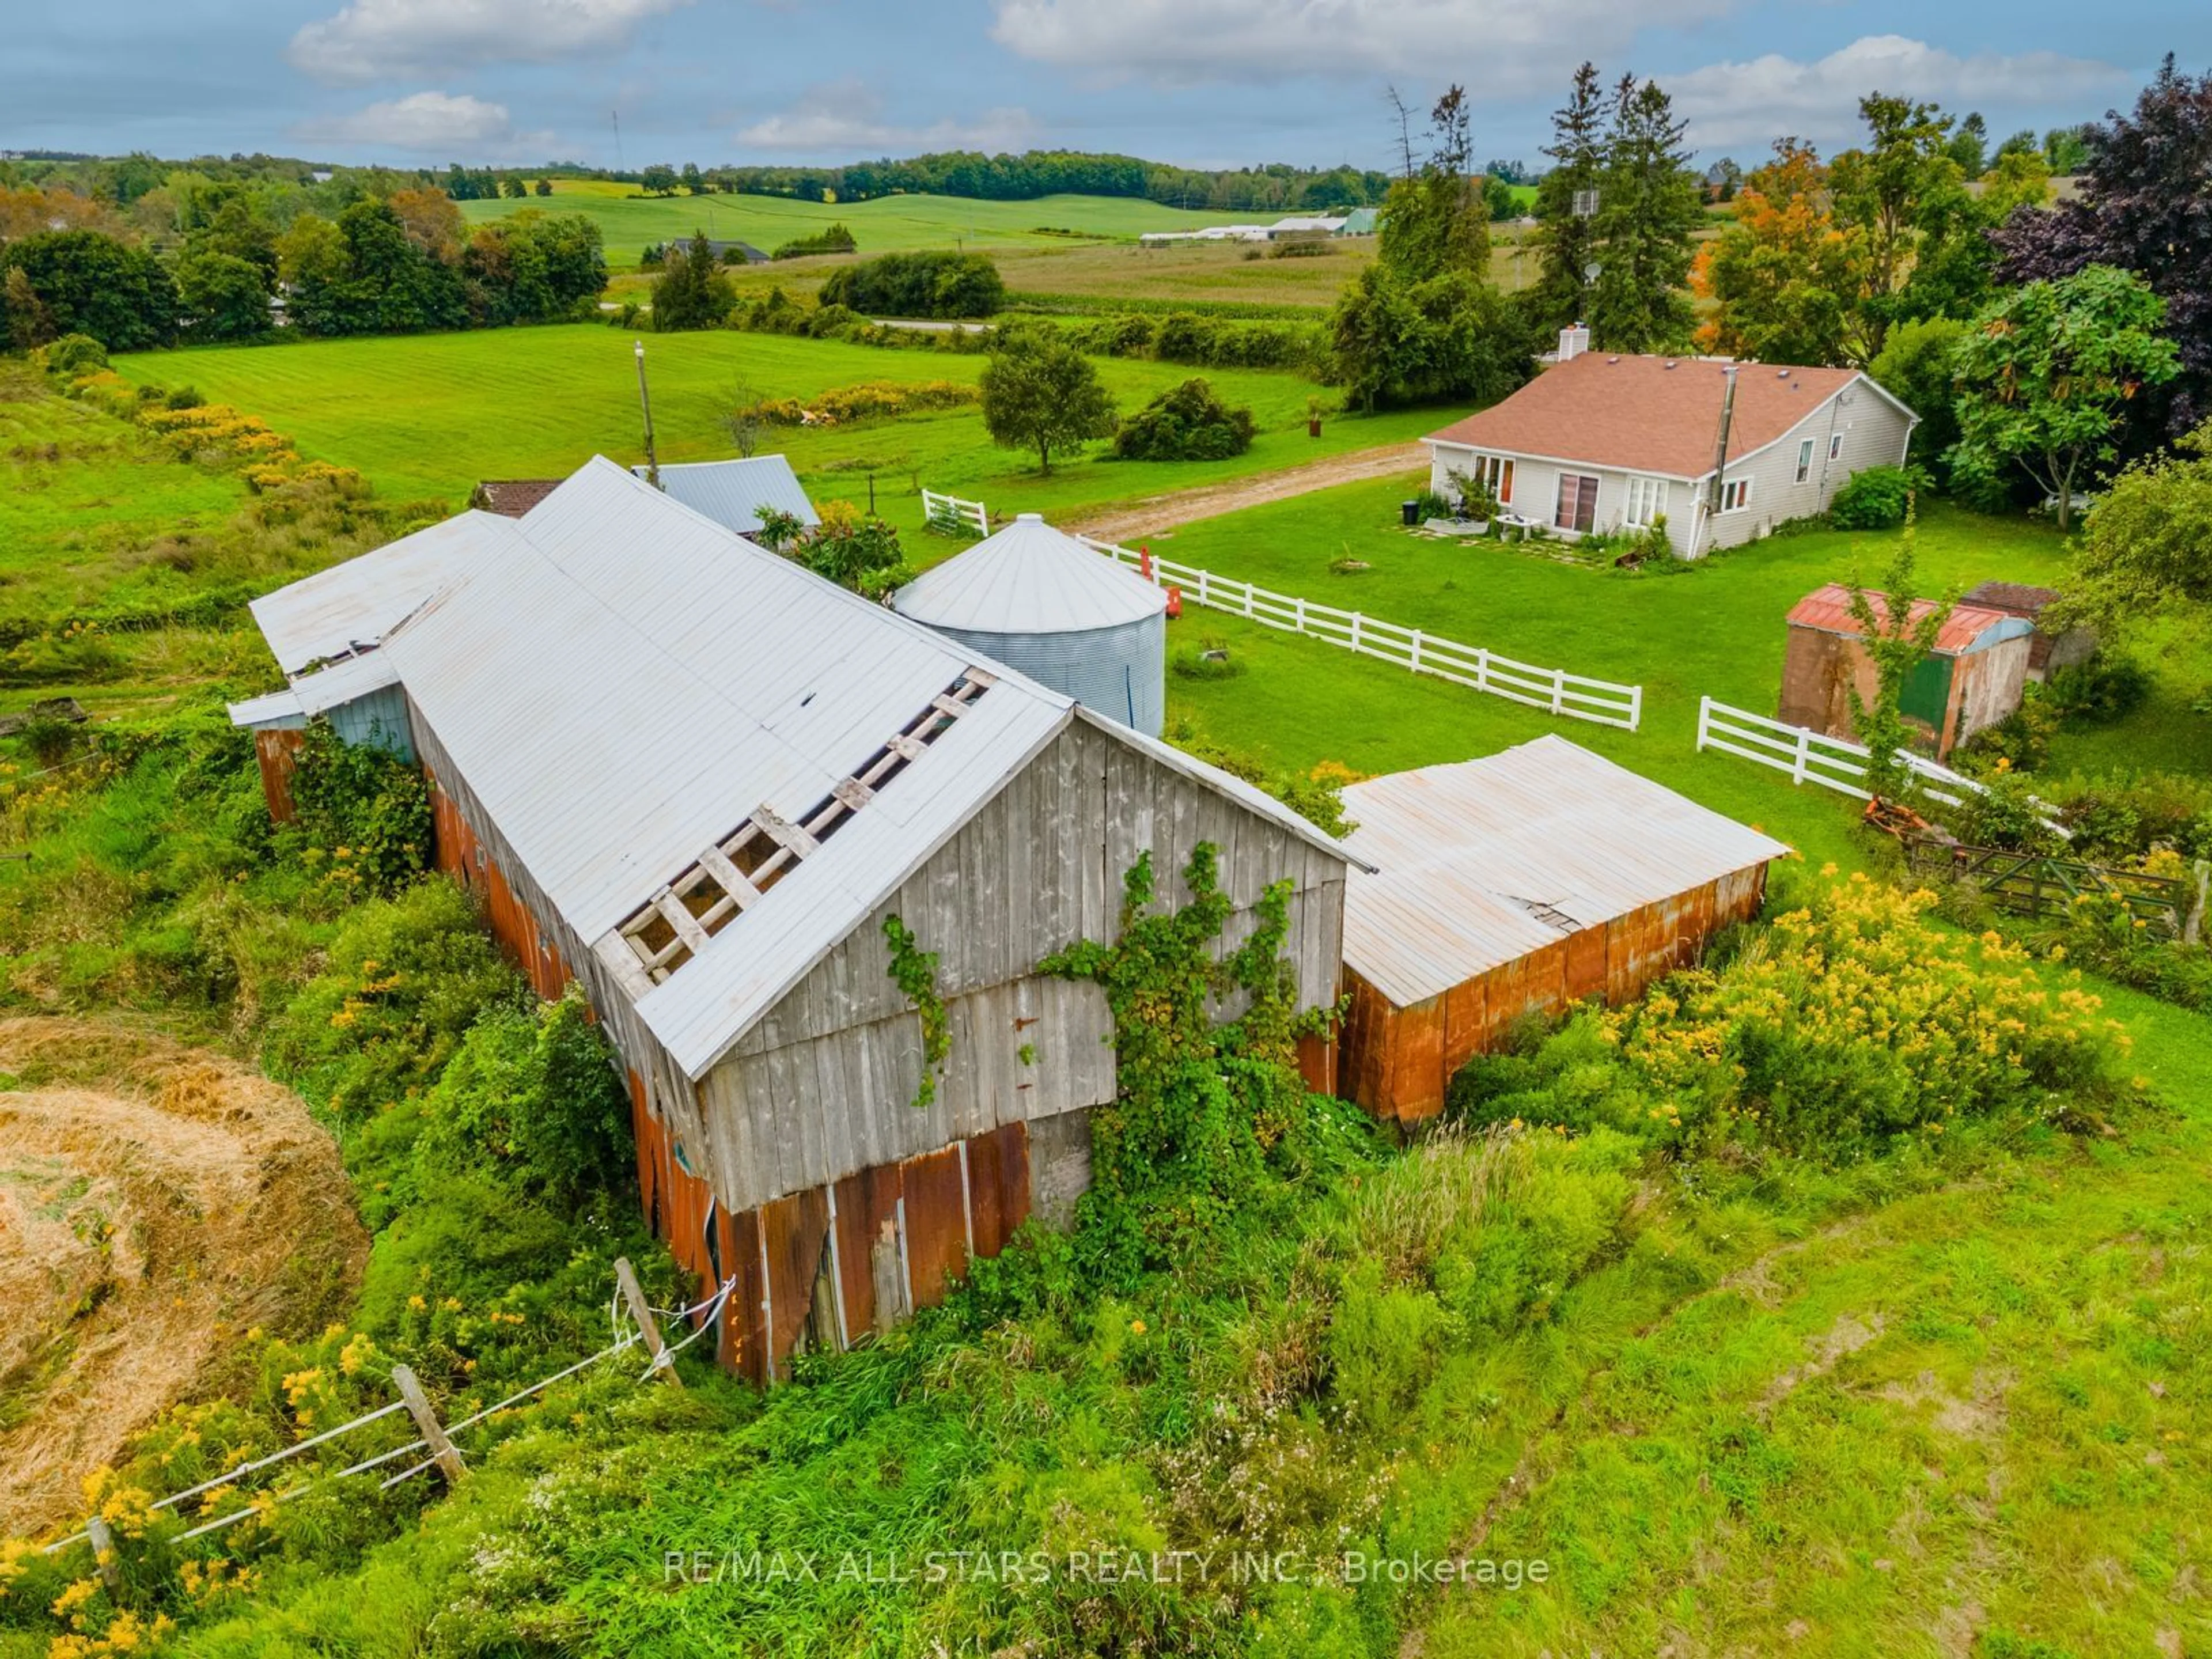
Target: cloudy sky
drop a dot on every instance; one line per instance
(1207, 82)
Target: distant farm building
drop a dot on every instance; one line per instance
(1972, 678)
(1516, 884)
(735, 493)
(1040, 601)
(2048, 650)
(700, 778)
(1620, 442)
(511, 497)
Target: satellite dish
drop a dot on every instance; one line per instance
(1591, 271)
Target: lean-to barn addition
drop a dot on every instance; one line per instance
(699, 778)
(1519, 884)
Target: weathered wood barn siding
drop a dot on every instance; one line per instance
(1399, 1062)
(804, 1140)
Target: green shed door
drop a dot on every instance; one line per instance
(1927, 693)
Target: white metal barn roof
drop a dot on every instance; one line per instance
(1029, 579)
(1464, 849)
(734, 493)
(349, 607)
(313, 694)
(631, 682)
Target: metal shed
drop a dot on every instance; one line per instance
(1520, 883)
(2048, 650)
(1972, 678)
(699, 778)
(735, 493)
(1040, 601)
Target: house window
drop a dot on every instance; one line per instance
(1735, 495)
(1497, 472)
(1578, 508)
(1804, 460)
(1647, 502)
(1835, 446)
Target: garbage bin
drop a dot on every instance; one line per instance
(1409, 513)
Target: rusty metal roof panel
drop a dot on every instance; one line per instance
(1968, 628)
(1480, 862)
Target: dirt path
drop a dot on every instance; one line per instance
(1156, 513)
(155, 1202)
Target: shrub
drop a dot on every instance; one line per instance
(868, 399)
(403, 980)
(1187, 422)
(1846, 1022)
(1211, 661)
(835, 240)
(1316, 796)
(2107, 687)
(364, 813)
(184, 397)
(936, 284)
(1876, 499)
(74, 355)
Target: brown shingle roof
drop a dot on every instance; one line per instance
(511, 497)
(1829, 610)
(2016, 598)
(1642, 416)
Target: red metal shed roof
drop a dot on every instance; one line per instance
(2018, 598)
(1647, 414)
(1829, 610)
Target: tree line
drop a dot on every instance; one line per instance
(395, 263)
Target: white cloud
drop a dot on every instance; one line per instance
(433, 122)
(1752, 102)
(372, 39)
(844, 120)
(1491, 44)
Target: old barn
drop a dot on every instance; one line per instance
(699, 778)
(1518, 884)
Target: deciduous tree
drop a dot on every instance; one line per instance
(2045, 372)
(2147, 551)
(1783, 275)
(691, 291)
(1040, 393)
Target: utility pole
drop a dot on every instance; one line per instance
(1720, 444)
(645, 403)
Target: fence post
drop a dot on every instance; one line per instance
(1355, 631)
(1248, 598)
(634, 1294)
(1559, 688)
(427, 1425)
(1804, 753)
(1302, 614)
(1705, 721)
(1205, 586)
(1482, 668)
(1413, 660)
(103, 1553)
(1636, 710)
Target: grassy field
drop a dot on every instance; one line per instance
(887, 224)
(1714, 630)
(429, 416)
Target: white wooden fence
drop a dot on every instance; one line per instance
(1553, 689)
(954, 516)
(1832, 762)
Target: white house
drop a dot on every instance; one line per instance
(1606, 443)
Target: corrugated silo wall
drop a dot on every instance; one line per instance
(1120, 672)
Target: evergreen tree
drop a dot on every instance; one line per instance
(691, 291)
(1649, 203)
(1438, 218)
(1565, 233)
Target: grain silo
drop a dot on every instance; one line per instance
(1042, 603)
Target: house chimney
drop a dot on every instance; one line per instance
(1573, 341)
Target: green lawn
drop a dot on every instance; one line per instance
(430, 415)
(887, 224)
(1713, 630)
(82, 495)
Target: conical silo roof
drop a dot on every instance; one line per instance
(1029, 579)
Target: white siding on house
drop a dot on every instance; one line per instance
(1873, 433)
(1867, 429)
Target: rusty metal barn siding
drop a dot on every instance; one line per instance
(1518, 884)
